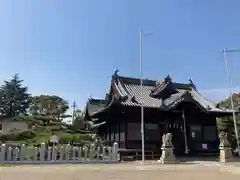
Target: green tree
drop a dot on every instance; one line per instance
(48, 107)
(78, 119)
(14, 98)
(226, 124)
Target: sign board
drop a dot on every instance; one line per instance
(204, 146)
(54, 139)
(193, 134)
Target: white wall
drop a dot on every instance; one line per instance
(17, 126)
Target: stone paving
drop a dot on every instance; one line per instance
(123, 171)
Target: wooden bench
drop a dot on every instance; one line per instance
(136, 154)
(147, 154)
(127, 158)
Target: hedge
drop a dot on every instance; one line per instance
(77, 138)
(17, 136)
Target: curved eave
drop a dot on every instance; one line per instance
(102, 111)
(86, 114)
(97, 125)
(117, 95)
(182, 99)
(120, 89)
(188, 98)
(160, 88)
(222, 113)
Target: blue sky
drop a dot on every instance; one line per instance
(71, 48)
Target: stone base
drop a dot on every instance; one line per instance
(167, 156)
(160, 161)
(227, 160)
(226, 155)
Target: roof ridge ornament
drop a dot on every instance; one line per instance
(168, 78)
(192, 84)
(133, 99)
(116, 72)
(90, 97)
(209, 108)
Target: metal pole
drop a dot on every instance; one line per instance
(73, 112)
(142, 110)
(231, 98)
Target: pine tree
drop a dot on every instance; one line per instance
(14, 99)
(226, 124)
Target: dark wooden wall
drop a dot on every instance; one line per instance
(116, 130)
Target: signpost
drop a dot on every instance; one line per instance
(54, 141)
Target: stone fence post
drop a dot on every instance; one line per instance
(3, 152)
(115, 152)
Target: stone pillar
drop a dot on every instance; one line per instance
(168, 156)
(225, 149)
(115, 151)
(15, 154)
(9, 154)
(2, 152)
(85, 149)
(61, 151)
(49, 153)
(42, 152)
(74, 150)
(35, 155)
(67, 152)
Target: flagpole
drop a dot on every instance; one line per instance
(142, 109)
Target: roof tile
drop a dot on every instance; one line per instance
(131, 87)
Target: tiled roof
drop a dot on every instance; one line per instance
(130, 89)
(162, 87)
(94, 106)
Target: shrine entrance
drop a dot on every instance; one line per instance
(199, 132)
(177, 130)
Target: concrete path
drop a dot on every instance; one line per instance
(123, 171)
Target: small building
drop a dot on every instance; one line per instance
(167, 107)
(10, 125)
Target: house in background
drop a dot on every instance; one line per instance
(169, 106)
(10, 125)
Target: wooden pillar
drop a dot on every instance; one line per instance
(118, 130)
(126, 134)
(109, 133)
(185, 131)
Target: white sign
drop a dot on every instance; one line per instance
(193, 135)
(204, 146)
(54, 139)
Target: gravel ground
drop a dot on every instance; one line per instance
(124, 171)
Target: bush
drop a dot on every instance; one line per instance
(77, 138)
(65, 138)
(85, 137)
(17, 136)
(55, 128)
(27, 134)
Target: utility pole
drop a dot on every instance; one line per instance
(225, 51)
(73, 112)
